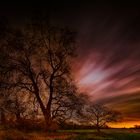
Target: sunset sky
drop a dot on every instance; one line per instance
(108, 39)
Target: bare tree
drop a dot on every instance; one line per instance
(38, 59)
(98, 115)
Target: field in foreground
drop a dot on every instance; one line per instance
(106, 134)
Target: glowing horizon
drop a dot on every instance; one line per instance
(129, 124)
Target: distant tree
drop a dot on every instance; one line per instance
(38, 60)
(137, 126)
(98, 115)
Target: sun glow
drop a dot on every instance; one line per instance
(129, 124)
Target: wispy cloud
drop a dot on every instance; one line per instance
(108, 67)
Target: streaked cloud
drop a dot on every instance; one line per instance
(108, 65)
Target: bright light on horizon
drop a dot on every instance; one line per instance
(129, 124)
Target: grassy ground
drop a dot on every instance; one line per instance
(106, 134)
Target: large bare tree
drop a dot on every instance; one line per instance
(37, 58)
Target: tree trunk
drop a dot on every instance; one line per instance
(98, 129)
(47, 121)
(98, 126)
(45, 110)
(48, 118)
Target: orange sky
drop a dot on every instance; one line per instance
(124, 124)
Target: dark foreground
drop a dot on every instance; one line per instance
(106, 134)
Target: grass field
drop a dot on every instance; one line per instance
(106, 134)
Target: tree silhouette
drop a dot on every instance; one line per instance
(38, 60)
(98, 115)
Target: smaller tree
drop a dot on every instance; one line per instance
(137, 126)
(98, 115)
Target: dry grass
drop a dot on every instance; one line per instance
(14, 134)
(112, 134)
